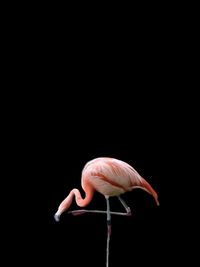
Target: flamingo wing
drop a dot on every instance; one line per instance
(111, 176)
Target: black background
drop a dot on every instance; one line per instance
(58, 135)
(113, 96)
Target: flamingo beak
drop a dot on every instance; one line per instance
(57, 217)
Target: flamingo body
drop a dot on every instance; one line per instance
(110, 177)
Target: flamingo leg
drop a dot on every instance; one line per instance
(108, 230)
(109, 213)
(128, 210)
(83, 211)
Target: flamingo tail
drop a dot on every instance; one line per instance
(149, 189)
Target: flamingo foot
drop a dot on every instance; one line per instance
(77, 212)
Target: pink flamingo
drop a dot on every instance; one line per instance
(110, 177)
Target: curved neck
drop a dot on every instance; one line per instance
(82, 202)
(65, 204)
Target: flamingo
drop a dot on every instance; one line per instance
(110, 177)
